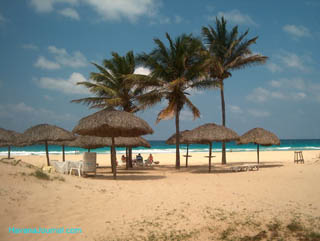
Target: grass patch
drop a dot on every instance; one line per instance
(295, 226)
(40, 175)
(59, 178)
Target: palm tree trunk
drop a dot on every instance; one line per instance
(177, 141)
(223, 111)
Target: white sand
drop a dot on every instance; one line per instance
(159, 200)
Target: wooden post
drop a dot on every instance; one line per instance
(258, 153)
(63, 155)
(9, 149)
(127, 158)
(187, 155)
(130, 157)
(47, 153)
(210, 150)
(113, 159)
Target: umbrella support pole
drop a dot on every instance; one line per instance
(130, 157)
(210, 151)
(63, 155)
(127, 158)
(9, 150)
(113, 159)
(187, 155)
(258, 153)
(47, 153)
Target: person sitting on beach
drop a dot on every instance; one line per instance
(149, 160)
(139, 159)
(123, 159)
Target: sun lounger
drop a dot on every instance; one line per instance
(245, 167)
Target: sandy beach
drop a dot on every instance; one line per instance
(281, 201)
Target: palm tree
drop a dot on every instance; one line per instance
(174, 70)
(111, 87)
(227, 51)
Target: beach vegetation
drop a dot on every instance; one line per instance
(227, 51)
(175, 70)
(40, 175)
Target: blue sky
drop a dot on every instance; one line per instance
(47, 46)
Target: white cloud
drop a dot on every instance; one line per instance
(258, 113)
(70, 13)
(67, 86)
(42, 6)
(287, 60)
(30, 46)
(23, 115)
(292, 60)
(236, 17)
(178, 19)
(259, 95)
(297, 31)
(142, 70)
(77, 59)
(123, 9)
(273, 67)
(235, 109)
(46, 6)
(186, 115)
(2, 19)
(106, 9)
(43, 63)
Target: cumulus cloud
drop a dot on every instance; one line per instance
(43, 63)
(45, 6)
(30, 46)
(258, 113)
(284, 89)
(67, 86)
(75, 60)
(108, 10)
(22, 115)
(2, 19)
(70, 13)
(297, 31)
(142, 70)
(273, 67)
(117, 10)
(42, 6)
(288, 60)
(235, 109)
(62, 59)
(236, 17)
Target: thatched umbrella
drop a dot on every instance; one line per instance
(44, 133)
(183, 140)
(210, 132)
(8, 138)
(112, 123)
(259, 136)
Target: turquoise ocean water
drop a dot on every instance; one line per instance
(162, 147)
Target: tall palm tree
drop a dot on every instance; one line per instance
(111, 86)
(174, 70)
(227, 51)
